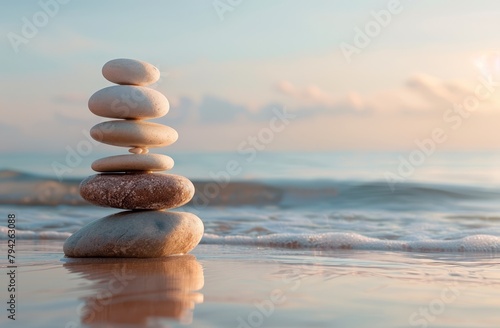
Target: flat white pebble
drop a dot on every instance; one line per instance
(130, 71)
(128, 102)
(128, 163)
(126, 133)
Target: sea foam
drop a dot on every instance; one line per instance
(343, 241)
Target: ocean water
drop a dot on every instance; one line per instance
(445, 203)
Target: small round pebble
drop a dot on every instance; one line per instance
(138, 150)
(130, 71)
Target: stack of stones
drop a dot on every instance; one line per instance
(132, 181)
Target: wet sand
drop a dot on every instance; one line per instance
(218, 286)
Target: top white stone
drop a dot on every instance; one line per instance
(130, 71)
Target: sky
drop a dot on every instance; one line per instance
(350, 75)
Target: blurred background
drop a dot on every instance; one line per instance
(364, 77)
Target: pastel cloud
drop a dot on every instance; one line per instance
(77, 99)
(331, 120)
(420, 93)
(310, 93)
(312, 100)
(444, 94)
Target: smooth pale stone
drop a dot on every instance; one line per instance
(136, 234)
(139, 191)
(127, 163)
(126, 133)
(128, 102)
(138, 150)
(130, 71)
(135, 150)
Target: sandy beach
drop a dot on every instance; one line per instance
(219, 286)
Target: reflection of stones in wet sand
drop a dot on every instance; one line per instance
(135, 291)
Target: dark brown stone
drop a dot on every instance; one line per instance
(139, 191)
